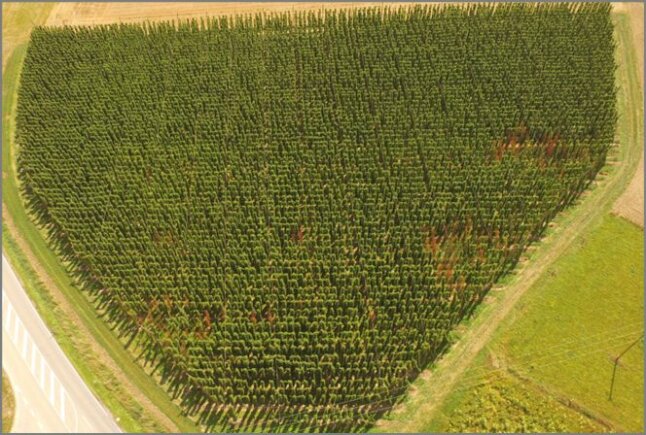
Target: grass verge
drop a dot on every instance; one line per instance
(8, 404)
(503, 404)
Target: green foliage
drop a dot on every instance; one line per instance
(293, 211)
(555, 339)
(504, 405)
(566, 339)
(8, 404)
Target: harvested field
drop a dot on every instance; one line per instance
(631, 203)
(17, 22)
(104, 13)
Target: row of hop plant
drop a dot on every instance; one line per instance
(290, 213)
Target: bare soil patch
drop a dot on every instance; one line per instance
(17, 21)
(630, 204)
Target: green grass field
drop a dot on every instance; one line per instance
(504, 404)
(563, 336)
(582, 314)
(8, 404)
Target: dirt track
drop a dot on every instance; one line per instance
(103, 13)
(631, 203)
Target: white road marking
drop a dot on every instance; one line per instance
(16, 330)
(9, 313)
(62, 410)
(34, 350)
(42, 373)
(25, 344)
(39, 375)
(76, 416)
(51, 387)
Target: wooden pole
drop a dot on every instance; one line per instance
(614, 369)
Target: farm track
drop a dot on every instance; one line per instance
(630, 204)
(87, 13)
(440, 380)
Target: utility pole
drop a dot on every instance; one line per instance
(614, 369)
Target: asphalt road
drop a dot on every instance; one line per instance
(50, 394)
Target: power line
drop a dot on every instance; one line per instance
(571, 340)
(574, 340)
(548, 358)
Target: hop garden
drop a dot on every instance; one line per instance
(289, 213)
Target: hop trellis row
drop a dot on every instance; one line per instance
(292, 212)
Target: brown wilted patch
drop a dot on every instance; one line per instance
(207, 320)
(298, 234)
(432, 243)
(372, 317)
(268, 314)
(521, 138)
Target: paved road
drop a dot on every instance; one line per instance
(50, 394)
